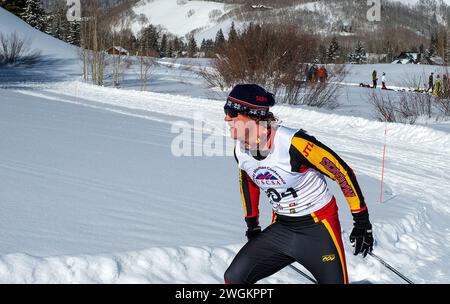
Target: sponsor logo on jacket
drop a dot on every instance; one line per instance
(340, 177)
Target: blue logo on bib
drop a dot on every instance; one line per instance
(266, 175)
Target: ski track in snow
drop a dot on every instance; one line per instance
(411, 233)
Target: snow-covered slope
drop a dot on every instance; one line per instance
(180, 17)
(92, 192)
(37, 40)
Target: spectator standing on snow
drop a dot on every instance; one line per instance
(437, 86)
(383, 81)
(322, 74)
(431, 83)
(307, 73)
(374, 79)
(313, 73)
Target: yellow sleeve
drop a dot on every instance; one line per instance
(329, 163)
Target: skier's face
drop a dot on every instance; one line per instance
(242, 127)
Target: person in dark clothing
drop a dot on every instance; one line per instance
(313, 73)
(290, 166)
(431, 83)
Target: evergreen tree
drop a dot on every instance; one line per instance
(164, 46)
(59, 27)
(207, 47)
(74, 33)
(203, 45)
(333, 51)
(178, 47)
(149, 38)
(34, 15)
(183, 48)
(434, 42)
(170, 49)
(220, 42)
(358, 55)
(14, 6)
(64, 25)
(232, 35)
(192, 47)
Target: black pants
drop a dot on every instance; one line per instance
(317, 246)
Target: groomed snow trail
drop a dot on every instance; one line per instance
(410, 228)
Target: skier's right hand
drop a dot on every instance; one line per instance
(253, 232)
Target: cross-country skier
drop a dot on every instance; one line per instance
(289, 166)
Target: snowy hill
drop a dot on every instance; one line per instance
(205, 18)
(181, 17)
(37, 40)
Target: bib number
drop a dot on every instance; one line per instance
(277, 197)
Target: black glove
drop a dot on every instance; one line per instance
(253, 228)
(361, 237)
(252, 232)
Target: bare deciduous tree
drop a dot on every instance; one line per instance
(274, 57)
(94, 34)
(16, 51)
(146, 64)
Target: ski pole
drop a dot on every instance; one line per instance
(390, 267)
(303, 274)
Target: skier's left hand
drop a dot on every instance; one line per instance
(362, 240)
(361, 237)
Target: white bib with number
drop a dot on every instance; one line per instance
(290, 193)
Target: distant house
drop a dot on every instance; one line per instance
(117, 50)
(407, 58)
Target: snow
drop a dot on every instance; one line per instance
(92, 193)
(182, 17)
(107, 202)
(49, 46)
